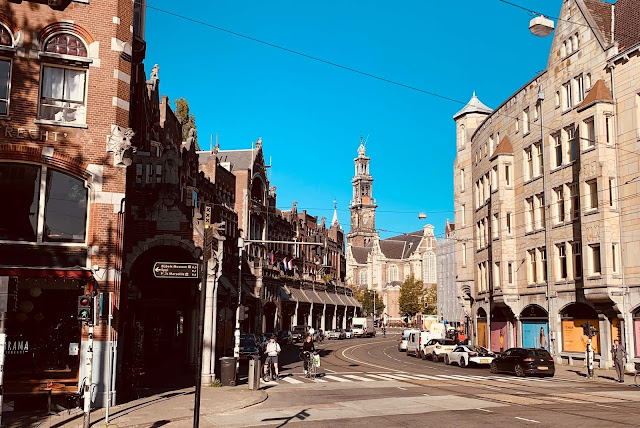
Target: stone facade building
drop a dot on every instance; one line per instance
(450, 306)
(383, 264)
(545, 194)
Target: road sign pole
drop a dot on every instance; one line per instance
(203, 287)
(236, 348)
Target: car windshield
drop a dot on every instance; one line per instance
(479, 349)
(247, 342)
(447, 342)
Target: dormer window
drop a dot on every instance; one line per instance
(64, 80)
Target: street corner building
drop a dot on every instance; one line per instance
(546, 195)
(65, 71)
(384, 264)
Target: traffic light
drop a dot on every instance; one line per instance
(244, 313)
(588, 330)
(406, 319)
(85, 307)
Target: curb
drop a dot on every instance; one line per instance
(263, 397)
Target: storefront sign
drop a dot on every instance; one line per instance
(31, 134)
(573, 338)
(17, 347)
(175, 270)
(482, 334)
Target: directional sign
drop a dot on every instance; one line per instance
(175, 270)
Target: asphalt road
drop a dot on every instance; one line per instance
(369, 382)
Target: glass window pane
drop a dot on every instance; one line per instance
(5, 66)
(74, 85)
(19, 184)
(65, 208)
(52, 82)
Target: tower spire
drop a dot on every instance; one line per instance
(334, 220)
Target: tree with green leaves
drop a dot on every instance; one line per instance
(366, 298)
(411, 298)
(186, 118)
(430, 297)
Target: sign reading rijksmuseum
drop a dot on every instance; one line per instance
(175, 270)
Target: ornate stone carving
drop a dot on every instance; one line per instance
(154, 73)
(259, 144)
(118, 143)
(323, 221)
(191, 138)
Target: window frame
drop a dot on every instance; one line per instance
(593, 248)
(9, 84)
(592, 190)
(65, 62)
(42, 207)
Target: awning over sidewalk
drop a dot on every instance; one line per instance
(299, 296)
(228, 286)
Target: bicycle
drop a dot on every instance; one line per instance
(270, 373)
(311, 363)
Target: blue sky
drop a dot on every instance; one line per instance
(310, 114)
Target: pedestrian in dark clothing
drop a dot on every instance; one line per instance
(619, 358)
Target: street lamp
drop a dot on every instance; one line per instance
(236, 347)
(422, 216)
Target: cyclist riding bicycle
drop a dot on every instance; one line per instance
(308, 348)
(272, 350)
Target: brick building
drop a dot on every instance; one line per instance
(546, 194)
(65, 70)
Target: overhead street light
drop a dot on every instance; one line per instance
(422, 216)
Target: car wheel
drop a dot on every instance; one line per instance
(424, 356)
(519, 370)
(434, 357)
(494, 368)
(463, 362)
(446, 360)
(418, 354)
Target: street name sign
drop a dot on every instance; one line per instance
(175, 270)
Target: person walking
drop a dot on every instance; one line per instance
(619, 358)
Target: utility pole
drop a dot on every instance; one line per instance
(236, 347)
(88, 375)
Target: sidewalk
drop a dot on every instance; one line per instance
(580, 372)
(173, 408)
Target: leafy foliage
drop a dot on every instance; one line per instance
(430, 297)
(366, 298)
(411, 298)
(186, 118)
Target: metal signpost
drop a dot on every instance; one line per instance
(164, 270)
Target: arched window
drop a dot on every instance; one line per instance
(63, 85)
(66, 44)
(6, 39)
(393, 273)
(363, 277)
(429, 266)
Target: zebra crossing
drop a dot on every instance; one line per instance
(344, 378)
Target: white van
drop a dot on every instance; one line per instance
(415, 341)
(404, 340)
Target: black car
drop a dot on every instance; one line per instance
(285, 338)
(524, 361)
(248, 346)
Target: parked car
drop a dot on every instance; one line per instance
(416, 340)
(524, 361)
(248, 345)
(465, 355)
(261, 342)
(336, 334)
(437, 348)
(285, 338)
(402, 343)
(299, 332)
(348, 333)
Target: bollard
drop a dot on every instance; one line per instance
(254, 372)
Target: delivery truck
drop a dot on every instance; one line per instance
(363, 327)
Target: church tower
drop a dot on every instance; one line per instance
(363, 206)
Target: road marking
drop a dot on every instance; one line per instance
(604, 405)
(528, 420)
(491, 387)
(424, 376)
(377, 376)
(359, 378)
(339, 379)
(291, 380)
(319, 380)
(395, 377)
(329, 370)
(404, 389)
(485, 410)
(362, 362)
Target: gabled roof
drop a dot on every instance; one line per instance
(240, 159)
(598, 93)
(360, 254)
(601, 13)
(401, 246)
(473, 106)
(504, 148)
(627, 30)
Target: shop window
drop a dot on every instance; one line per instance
(573, 338)
(65, 215)
(63, 208)
(20, 184)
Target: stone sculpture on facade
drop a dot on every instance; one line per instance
(118, 143)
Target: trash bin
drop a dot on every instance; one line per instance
(228, 371)
(254, 372)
